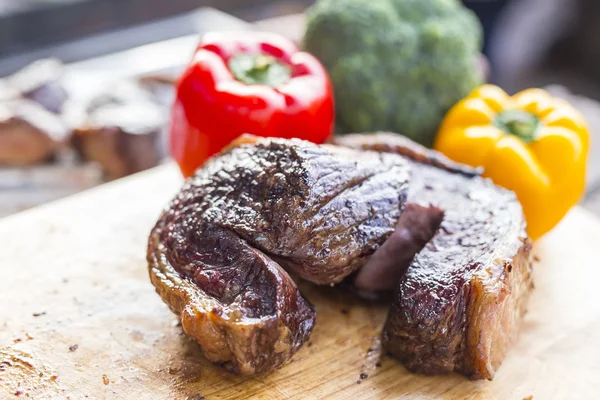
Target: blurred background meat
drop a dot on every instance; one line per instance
(29, 134)
(121, 130)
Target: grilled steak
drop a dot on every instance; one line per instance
(460, 299)
(217, 254)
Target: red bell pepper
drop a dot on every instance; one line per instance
(248, 82)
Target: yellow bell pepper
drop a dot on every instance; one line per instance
(531, 143)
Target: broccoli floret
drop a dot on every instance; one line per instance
(395, 65)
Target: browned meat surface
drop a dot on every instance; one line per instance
(122, 131)
(218, 253)
(29, 134)
(459, 303)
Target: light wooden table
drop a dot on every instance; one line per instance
(80, 318)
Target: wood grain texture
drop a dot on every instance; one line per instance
(74, 273)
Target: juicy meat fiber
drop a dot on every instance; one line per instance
(460, 299)
(219, 253)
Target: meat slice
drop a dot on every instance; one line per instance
(218, 254)
(459, 302)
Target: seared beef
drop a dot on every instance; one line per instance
(458, 256)
(459, 303)
(217, 252)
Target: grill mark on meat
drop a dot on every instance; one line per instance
(349, 186)
(373, 213)
(457, 307)
(216, 254)
(293, 264)
(296, 238)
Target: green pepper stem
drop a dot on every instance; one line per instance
(263, 62)
(520, 123)
(259, 69)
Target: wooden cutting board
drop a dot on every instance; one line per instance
(80, 319)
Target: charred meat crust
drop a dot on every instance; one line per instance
(458, 306)
(217, 254)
